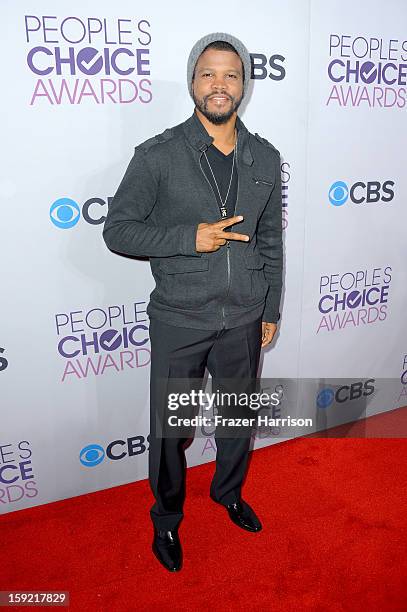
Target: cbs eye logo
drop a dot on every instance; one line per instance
(338, 193)
(360, 192)
(345, 393)
(325, 398)
(65, 212)
(91, 455)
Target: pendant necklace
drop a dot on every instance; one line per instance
(223, 202)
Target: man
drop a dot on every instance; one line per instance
(218, 289)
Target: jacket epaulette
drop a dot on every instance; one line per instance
(266, 142)
(158, 139)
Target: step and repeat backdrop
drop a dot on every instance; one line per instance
(83, 84)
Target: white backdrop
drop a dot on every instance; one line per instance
(83, 84)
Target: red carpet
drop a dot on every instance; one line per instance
(334, 538)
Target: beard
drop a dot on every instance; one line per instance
(217, 118)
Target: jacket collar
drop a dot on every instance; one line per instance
(200, 139)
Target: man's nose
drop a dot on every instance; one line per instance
(219, 83)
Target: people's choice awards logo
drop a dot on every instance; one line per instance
(351, 299)
(101, 339)
(94, 60)
(17, 477)
(361, 192)
(366, 71)
(285, 183)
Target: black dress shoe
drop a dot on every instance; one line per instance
(167, 549)
(243, 515)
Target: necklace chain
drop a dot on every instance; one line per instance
(223, 202)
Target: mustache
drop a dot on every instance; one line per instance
(226, 95)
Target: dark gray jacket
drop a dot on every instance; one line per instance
(155, 212)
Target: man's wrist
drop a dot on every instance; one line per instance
(271, 318)
(189, 242)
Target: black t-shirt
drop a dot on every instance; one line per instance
(221, 165)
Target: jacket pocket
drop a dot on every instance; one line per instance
(263, 180)
(259, 285)
(184, 281)
(181, 265)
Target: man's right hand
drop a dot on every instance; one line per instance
(210, 236)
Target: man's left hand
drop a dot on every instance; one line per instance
(268, 330)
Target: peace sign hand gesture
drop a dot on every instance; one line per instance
(211, 236)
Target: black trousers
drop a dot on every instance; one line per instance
(178, 352)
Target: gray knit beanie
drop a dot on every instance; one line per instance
(204, 42)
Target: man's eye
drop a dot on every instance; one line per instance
(233, 76)
(206, 74)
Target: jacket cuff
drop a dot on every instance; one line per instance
(189, 241)
(271, 313)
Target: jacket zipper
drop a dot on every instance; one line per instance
(257, 181)
(227, 241)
